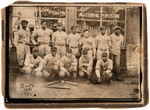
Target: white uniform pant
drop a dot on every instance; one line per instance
(103, 75)
(50, 71)
(74, 51)
(61, 50)
(30, 71)
(82, 73)
(44, 50)
(72, 69)
(22, 51)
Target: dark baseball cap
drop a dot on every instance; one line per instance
(24, 21)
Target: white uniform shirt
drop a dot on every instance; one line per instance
(30, 61)
(50, 60)
(88, 43)
(102, 41)
(59, 38)
(116, 43)
(22, 36)
(65, 61)
(85, 61)
(101, 65)
(43, 36)
(73, 40)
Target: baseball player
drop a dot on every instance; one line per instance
(73, 40)
(33, 63)
(89, 43)
(68, 65)
(21, 41)
(59, 40)
(43, 35)
(15, 31)
(85, 64)
(117, 42)
(102, 42)
(104, 68)
(51, 64)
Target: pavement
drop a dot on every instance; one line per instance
(31, 87)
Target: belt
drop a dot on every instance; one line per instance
(88, 49)
(44, 43)
(74, 47)
(102, 49)
(59, 44)
(22, 43)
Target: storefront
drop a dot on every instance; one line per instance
(84, 17)
(94, 17)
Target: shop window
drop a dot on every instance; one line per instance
(93, 17)
(53, 15)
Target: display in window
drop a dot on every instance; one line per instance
(52, 23)
(93, 26)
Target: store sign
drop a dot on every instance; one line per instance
(111, 16)
(53, 12)
(113, 13)
(88, 12)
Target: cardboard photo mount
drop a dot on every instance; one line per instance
(32, 103)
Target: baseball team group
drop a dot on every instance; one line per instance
(44, 53)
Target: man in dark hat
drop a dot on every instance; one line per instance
(102, 42)
(104, 68)
(59, 40)
(21, 42)
(68, 65)
(43, 35)
(85, 64)
(117, 42)
(51, 64)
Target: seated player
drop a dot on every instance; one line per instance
(85, 64)
(104, 68)
(51, 64)
(33, 63)
(68, 65)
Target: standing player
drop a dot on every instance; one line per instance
(22, 39)
(117, 41)
(51, 64)
(104, 68)
(73, 40)
(68, 65)
(59, 40)
(102, 42)
(89, 43)
(43, 35)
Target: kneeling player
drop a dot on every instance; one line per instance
(104, 68)
(51, 64)
(85, 64)
(68, 64)
(33, 63)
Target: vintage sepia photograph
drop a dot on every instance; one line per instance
(74, 52)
